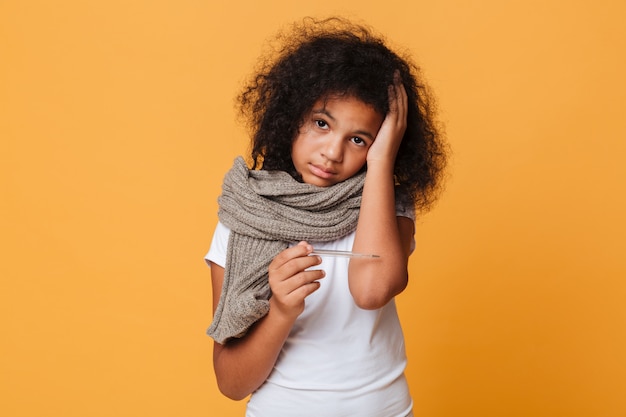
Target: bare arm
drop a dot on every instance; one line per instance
(242, 365)
(374, 282)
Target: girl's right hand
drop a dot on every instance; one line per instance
(242, 364)
(290, 280)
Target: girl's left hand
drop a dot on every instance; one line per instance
(385, 147)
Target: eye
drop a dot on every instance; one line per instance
(321, 124)
(358, 141)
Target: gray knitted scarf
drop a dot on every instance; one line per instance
(266, 211)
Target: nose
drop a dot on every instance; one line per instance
(333, 148)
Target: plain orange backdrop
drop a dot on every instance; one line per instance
(117, 124)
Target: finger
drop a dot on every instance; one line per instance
(393, 99)
(403, 104)
(400, 103)
(305, 290)
(293, 302)
(293, 267)
(397, 97)
(299, 250)
(292, 285)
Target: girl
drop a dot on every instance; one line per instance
(344, 150)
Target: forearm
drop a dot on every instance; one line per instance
(242, 365)
(373, 282)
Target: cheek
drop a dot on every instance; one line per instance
(298, 150)
(357, 162)
(302, 144)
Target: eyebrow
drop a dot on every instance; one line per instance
(330, 116)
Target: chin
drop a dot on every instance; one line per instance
(319, 182)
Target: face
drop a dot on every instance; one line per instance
(333, 141)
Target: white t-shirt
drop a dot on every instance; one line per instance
(338, 360)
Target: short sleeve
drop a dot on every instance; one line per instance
(219, 246)
(404, 211)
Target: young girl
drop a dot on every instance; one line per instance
(344, 150)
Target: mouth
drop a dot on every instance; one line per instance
(321, 171)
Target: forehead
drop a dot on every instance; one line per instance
(343, 102)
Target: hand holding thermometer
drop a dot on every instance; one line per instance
(343, 253)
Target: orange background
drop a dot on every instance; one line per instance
(117, 125)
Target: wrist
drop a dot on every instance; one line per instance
(380, 167)
(281, 316)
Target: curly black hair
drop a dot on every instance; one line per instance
(321, 58)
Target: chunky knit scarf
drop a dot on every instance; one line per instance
(266, 211)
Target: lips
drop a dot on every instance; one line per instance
(321, 171)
